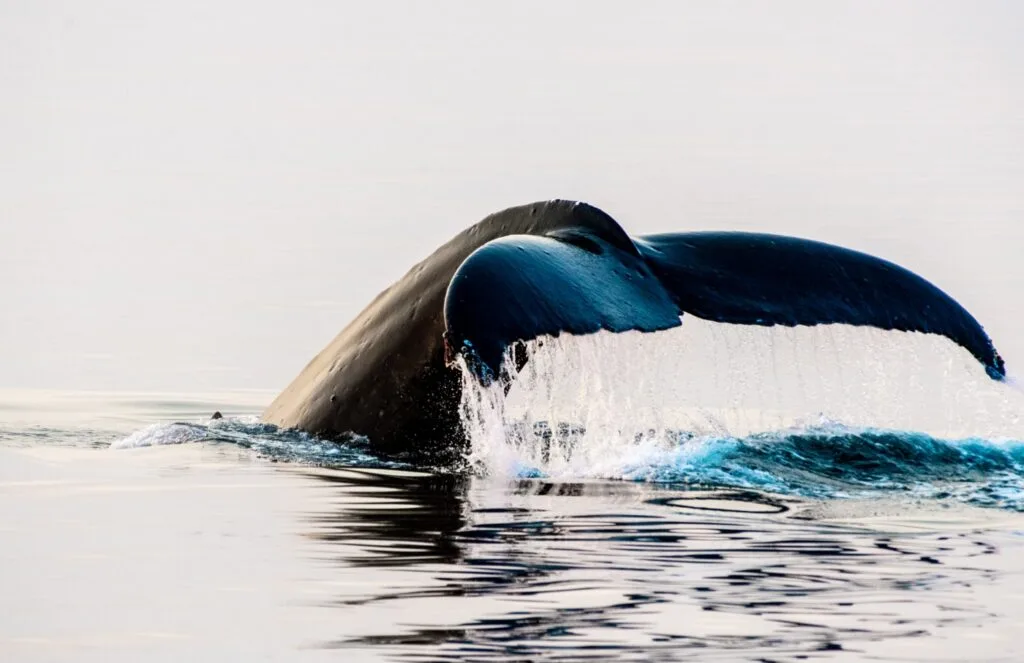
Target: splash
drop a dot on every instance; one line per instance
(266, 440)
(815, 411)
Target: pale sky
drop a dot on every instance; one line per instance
(200, 195)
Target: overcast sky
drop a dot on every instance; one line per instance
(199, 195)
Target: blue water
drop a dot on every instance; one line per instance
(837, 462)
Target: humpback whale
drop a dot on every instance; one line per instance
(567, 267)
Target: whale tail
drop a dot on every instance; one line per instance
(561, 266)
(583, 279)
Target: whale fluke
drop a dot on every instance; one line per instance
(757, 279)
(520, 287)
(561, 266)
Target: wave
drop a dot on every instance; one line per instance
(822, 412)
(265, 440)
(819, 462)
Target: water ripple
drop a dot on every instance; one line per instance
(572, 571)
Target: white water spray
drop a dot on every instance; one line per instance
(604, 404)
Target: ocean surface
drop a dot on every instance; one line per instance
(704, 497)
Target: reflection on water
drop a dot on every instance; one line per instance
(394, 519)
(414, 566)
(443, 568)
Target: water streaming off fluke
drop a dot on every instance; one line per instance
(826, 411)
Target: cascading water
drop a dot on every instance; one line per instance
(829, 410)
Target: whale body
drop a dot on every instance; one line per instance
(567, 267)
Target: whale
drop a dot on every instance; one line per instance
(566, 267)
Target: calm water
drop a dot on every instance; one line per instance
(214, 541)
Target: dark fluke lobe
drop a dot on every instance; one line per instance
(562, 266)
